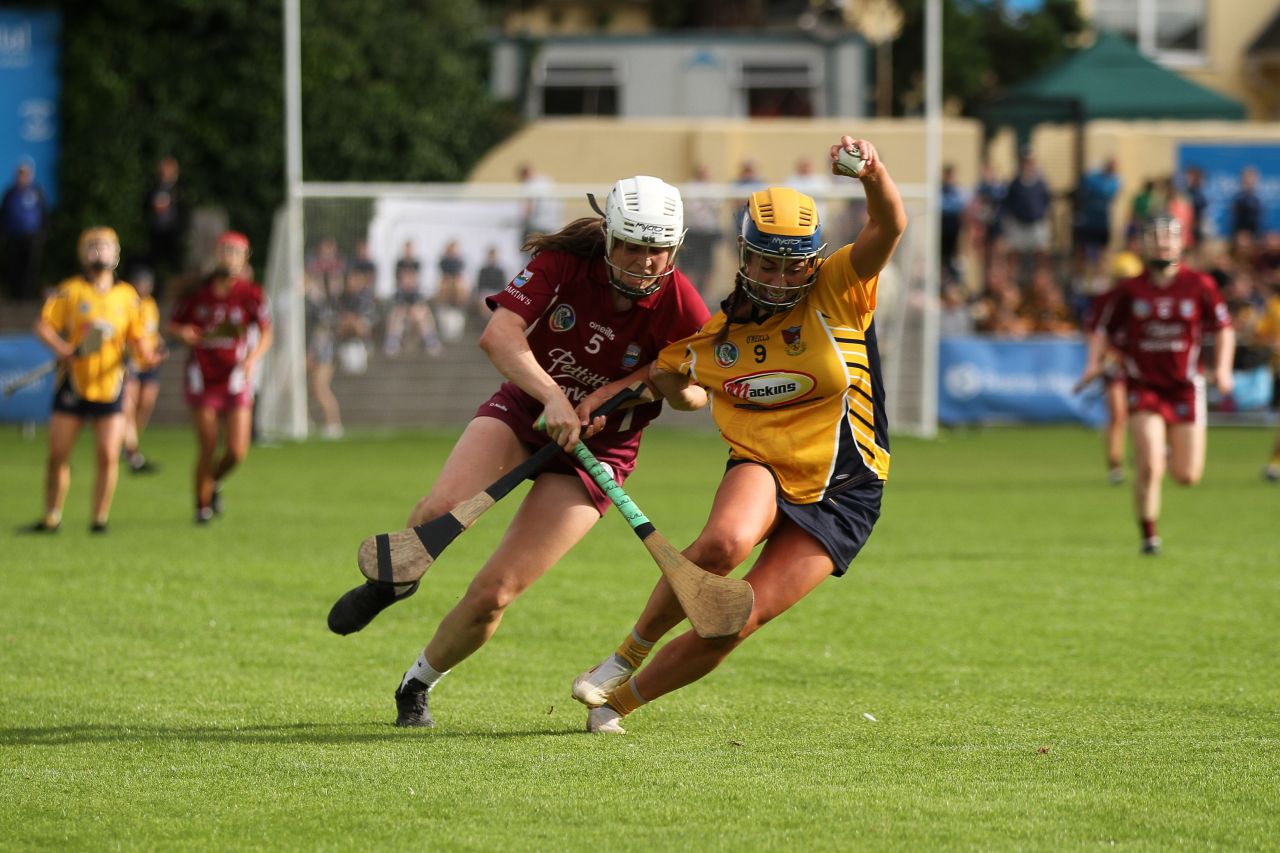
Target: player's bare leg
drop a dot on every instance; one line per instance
(205, 421)
(1117, 430)
(321, 383)
(63, 429)
(791, 566)
(238, 430)
(1149, 451)
(485, 451)
(1271, 473)
(108, 435)
(1186, 452)
(744, 511)
(554, 516)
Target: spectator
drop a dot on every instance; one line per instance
(327, 265)
(747, 182)
(955, 317)
(541, 211)
(165, 215)
(988, 200)
(1193, 187)
(1140, 207)
(409, 305)
(1092, 229)
(357, 314)
(953, 202)
(702, 219)
(321, 319)
(23, 217)
(808, 180)
(1025, 216)
(363, 265)
(1045, 310)
(490, 281)
(1246, 207)
(452, 293)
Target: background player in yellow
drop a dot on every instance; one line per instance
(792, 372)
(88, 323)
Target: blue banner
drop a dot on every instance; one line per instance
(983, 380)
(30, 44)
(1222, 163)
(18, 354)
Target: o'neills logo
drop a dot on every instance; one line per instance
(772, 388)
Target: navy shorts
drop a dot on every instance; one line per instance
(68, 402)
(841, 522)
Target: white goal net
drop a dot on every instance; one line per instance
(368, 238)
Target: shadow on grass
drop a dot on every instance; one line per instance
(311, 733)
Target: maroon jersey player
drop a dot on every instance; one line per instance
(227, 324)
(596, 304)
(1158, 321)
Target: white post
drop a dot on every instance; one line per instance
(933, 175)
(293, 201)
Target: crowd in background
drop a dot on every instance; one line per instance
(1014, 269)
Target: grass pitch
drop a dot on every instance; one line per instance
(1000, 669)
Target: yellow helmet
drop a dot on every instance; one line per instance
(99, 248)
(1125, 265)
(780, 224)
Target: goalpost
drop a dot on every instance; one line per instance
(481, 217)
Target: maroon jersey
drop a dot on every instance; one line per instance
(223, 321)
(1159, 328)
(578, 337)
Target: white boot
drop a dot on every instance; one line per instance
(604, 721)
(593, 687)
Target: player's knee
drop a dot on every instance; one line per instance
(719, 551)
(486, 602)
(1186, 478)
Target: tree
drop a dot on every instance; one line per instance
(391, 91)
(986, 47)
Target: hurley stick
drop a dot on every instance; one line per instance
(404, 556)
(716, 606)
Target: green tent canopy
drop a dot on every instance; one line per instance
(1110, 79)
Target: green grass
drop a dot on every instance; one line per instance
(1034, 683)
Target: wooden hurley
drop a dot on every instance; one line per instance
(716, 606)
(404, 556)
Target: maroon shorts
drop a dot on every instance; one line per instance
(222, 397)
(1184, 404)
(616, 451)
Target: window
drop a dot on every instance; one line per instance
(1171, 31)
(577, 90)
(774, 90)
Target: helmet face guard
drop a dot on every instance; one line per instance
(1161, 241)
(99, 249)
(779, 228)
(648, 212)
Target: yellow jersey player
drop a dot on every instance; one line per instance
(792, 372)
(89, 322)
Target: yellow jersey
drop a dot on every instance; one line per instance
(75, 310)
(800, 391)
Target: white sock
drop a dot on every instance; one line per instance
(424, 672)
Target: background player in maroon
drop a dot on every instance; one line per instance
(217, 322)
(1158, 321)
(595, 305)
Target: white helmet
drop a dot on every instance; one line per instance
(645, 211)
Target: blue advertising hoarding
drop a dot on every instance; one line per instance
(984, 380)
(30, 44)
(18, 354)
(1222, 163)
